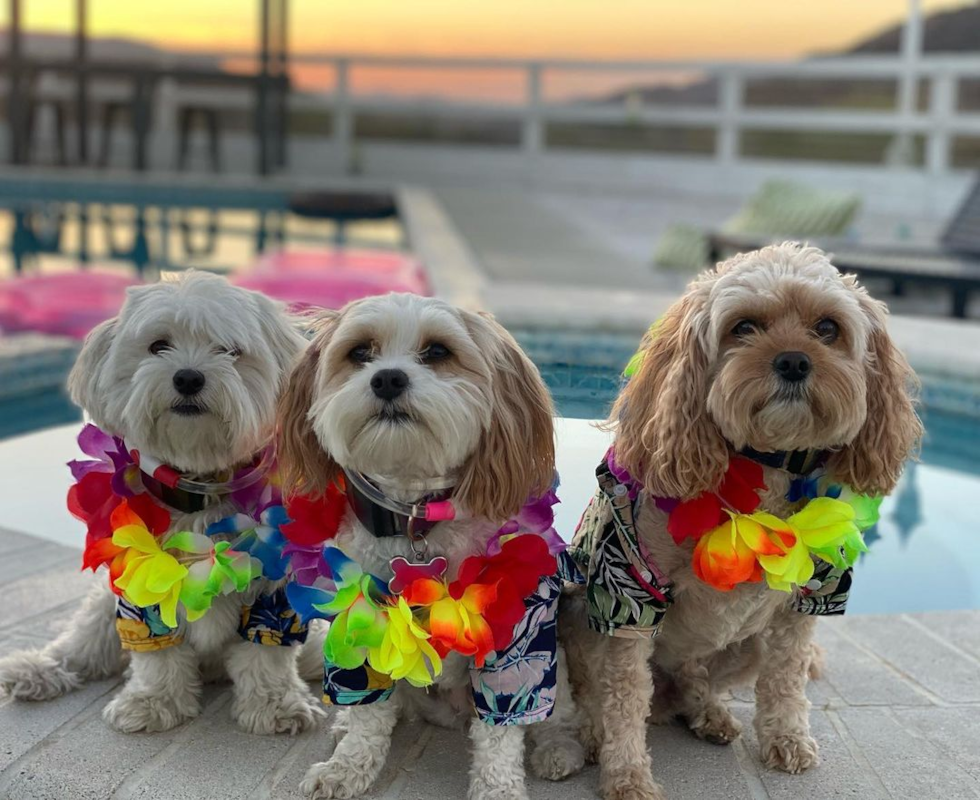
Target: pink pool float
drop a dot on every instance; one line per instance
(332, 278)
(61, 304)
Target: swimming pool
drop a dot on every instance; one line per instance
(925, 552)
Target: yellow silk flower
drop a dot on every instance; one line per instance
(150, 576)
(404, 651)
(822, 526)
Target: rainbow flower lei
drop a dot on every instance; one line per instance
(127, 530)
(736, 543)
(406, 626)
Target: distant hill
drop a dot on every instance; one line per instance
(61, 46)
(954, 31)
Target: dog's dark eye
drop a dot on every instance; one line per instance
(745, 327)
(160, 346)
(434, 352)
(361, 354)
(827, 330)
(234, 352)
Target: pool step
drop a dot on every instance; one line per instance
(33, 370)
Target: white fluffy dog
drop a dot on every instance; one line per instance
(189, 373)
(418, 395)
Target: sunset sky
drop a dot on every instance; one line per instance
(579, 28)
(586, 29)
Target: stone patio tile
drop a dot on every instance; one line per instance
(908, 764)
(961, 628)
(690, 769)
(212, 758)
(39, 604)
(954, 730)
(839, 775)
(861, 678)
(41, 558)
(90, 757)
(24, 725)
(12, 542)
(950, 674)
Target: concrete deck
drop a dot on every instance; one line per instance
(897, 716)
(584, 260)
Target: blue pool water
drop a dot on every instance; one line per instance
(925, 552)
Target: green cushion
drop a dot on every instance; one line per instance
(779, 208)
(682, 247)
(784, 208)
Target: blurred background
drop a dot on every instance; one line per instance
(567, 166)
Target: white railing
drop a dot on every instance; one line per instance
(729, 117)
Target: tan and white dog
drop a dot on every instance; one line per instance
(414, 393)
(773, 350)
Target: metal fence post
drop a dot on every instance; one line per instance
(81, 85)
(942, 107)
(165, 132)
(15, 94)
(532, 133)
(263, 160)
(730, 104)
(343, 118)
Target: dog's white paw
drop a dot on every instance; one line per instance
(631, 784)
(294, 712)
(793, 753)
(32, 675)
(716, 725)
(336, 779)
(480, 790)
(556, 759)
(131, 712)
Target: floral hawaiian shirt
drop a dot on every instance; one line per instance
(627, 594)
(269, 620)
(514, 687)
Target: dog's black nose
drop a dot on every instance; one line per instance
(792, 366)
(188, 381)
(389, 383)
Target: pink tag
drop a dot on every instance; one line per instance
(440, 511)
(407, 571)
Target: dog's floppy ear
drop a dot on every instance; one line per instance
(304, 466)
(872, 462)
(281, 334)
(83, 380)
(515, 458)
(664, 434)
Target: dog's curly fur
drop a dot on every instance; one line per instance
(245, 346)
(481, 413)
(703, 391)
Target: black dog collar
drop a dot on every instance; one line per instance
(176, 498)
(795, 462)
(189, 495)
(381, 521)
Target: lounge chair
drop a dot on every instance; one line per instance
(779, 210)
(954, 264)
